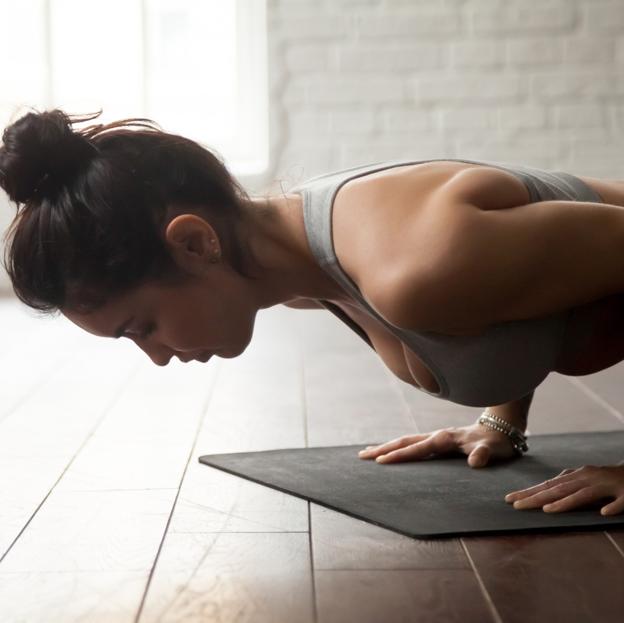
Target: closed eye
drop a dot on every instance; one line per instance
(148, 331)
(141, 336)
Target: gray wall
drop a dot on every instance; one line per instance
(537, 82)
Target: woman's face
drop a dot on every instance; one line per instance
(191, 321)
(211, 312)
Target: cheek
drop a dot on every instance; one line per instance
(202, 320)
(193, 332)
(199, 326)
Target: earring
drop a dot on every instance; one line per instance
(215, 258)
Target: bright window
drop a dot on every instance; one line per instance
(196, 67)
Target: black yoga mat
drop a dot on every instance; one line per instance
(433, 497)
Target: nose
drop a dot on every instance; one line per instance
(159, 355)
(160, 361)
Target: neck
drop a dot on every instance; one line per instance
(274, 237)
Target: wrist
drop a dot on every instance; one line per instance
(517, 437)
(517, 418)
(515, 412)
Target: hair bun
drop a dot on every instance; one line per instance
(40, 154)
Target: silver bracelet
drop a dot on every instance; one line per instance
(518, 438)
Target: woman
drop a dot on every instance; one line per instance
(472, 281)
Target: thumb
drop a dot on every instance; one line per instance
(479, 456)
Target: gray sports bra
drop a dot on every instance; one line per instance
(505, 362)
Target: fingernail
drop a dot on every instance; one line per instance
(381, 459)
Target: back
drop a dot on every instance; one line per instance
(507, 360)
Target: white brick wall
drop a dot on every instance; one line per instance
(538, 82)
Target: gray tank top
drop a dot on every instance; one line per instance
(505, 362)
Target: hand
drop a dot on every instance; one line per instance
(573, 488)
(481, 444)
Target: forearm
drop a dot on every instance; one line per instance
(515, 412)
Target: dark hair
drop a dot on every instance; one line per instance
(95, 202)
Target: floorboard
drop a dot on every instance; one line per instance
(555, 577)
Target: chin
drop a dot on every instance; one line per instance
(234, 350)
(229, 353)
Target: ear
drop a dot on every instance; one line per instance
(192, 243)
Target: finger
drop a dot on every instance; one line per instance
(615, 508)
(565, 476)
(373, 451)
(479, 456)
(548, 496)
(531, 491)
(580, 498)
(439, 442)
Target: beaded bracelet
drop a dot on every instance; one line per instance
(518, 438)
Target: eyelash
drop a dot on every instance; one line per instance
(148, 331)
(142, 336)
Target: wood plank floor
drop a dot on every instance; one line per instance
(107, 516)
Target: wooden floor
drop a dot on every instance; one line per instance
(106, 514)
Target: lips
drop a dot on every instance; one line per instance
(203, 357)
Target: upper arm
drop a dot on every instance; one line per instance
(517, 261)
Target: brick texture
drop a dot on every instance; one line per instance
(534, 82)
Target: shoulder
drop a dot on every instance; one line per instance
(379, 218)
(423, 280)
(487, 187)
(492, 187)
